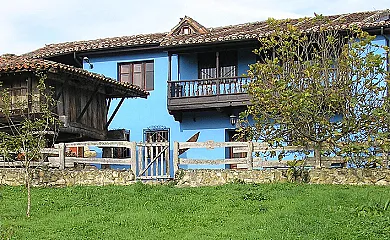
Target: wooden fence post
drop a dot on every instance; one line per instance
(175, 157)
(250, 156)
(133, 154)
(61, 155)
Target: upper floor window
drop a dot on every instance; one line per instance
(186, 30)
(137, 73)
(227, 65)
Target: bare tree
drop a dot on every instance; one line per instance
(31, 126)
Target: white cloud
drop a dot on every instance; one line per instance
(27, 25)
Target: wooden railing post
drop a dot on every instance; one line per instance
(175, 157)
(133, 153)
(61, 155)
(250, 156)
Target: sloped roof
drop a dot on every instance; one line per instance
(198, 28)
(11, 63)
(102, 43)
(240, 32)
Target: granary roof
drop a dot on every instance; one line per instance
(11, 63)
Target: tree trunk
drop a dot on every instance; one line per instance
(317, 156)
(28, 185)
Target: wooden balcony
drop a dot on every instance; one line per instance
(207, 93)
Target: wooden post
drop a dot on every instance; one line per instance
(175, 157)
(140, 159)
(169, 85)
(250, 156)
(61, 155)
(114, 113)
(133, 152)
(217, 72)
(167, 162)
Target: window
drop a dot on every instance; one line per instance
(227, 65)
(156, 134)
(137, 73)
(186, 30)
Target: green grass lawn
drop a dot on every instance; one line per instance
(234, 211)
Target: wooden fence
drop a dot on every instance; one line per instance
(60, 156)
(249, 149)
(152, 160)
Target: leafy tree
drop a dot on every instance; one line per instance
(30, 125)
(323, 90)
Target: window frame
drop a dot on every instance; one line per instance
(147, 83)
(207, 64)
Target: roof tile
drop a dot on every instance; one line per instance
(10, 63)
(219, 34)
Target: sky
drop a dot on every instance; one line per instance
(30, 24)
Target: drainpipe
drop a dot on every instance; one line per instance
(77, 60)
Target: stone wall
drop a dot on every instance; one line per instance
(55, 177)
(195, 178)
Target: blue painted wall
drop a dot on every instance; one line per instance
(188, 67)
(138, 114)
(245, 57)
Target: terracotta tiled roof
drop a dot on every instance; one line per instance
(247, 31)
(11, 63)
(258, 29)
(103, 43)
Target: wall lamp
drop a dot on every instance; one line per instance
(86, 59)
(233, 119)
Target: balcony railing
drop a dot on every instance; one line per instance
(207, 87)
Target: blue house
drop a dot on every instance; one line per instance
(194, 75)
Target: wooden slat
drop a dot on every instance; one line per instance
(154, 177)
(213, 162)
(211, 144)
(124, 161)
(125, 144)
(50, 151)
(153, 144)
(21, 164)
(153, 160)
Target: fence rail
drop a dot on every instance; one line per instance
(251, 160)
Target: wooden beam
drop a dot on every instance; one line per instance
(169, 90)
(88, 103)
(114, 113)
(217, 71)
(61, 90)
(29, 95)
(169, 67)
(109, 104)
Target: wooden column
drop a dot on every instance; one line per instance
(61, 155)
(169, 67)
(217, 72)
(169, 85)
(175, 157)
(133, 153)
(29, 95)
(250, 156)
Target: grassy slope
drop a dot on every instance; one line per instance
(235, 211)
